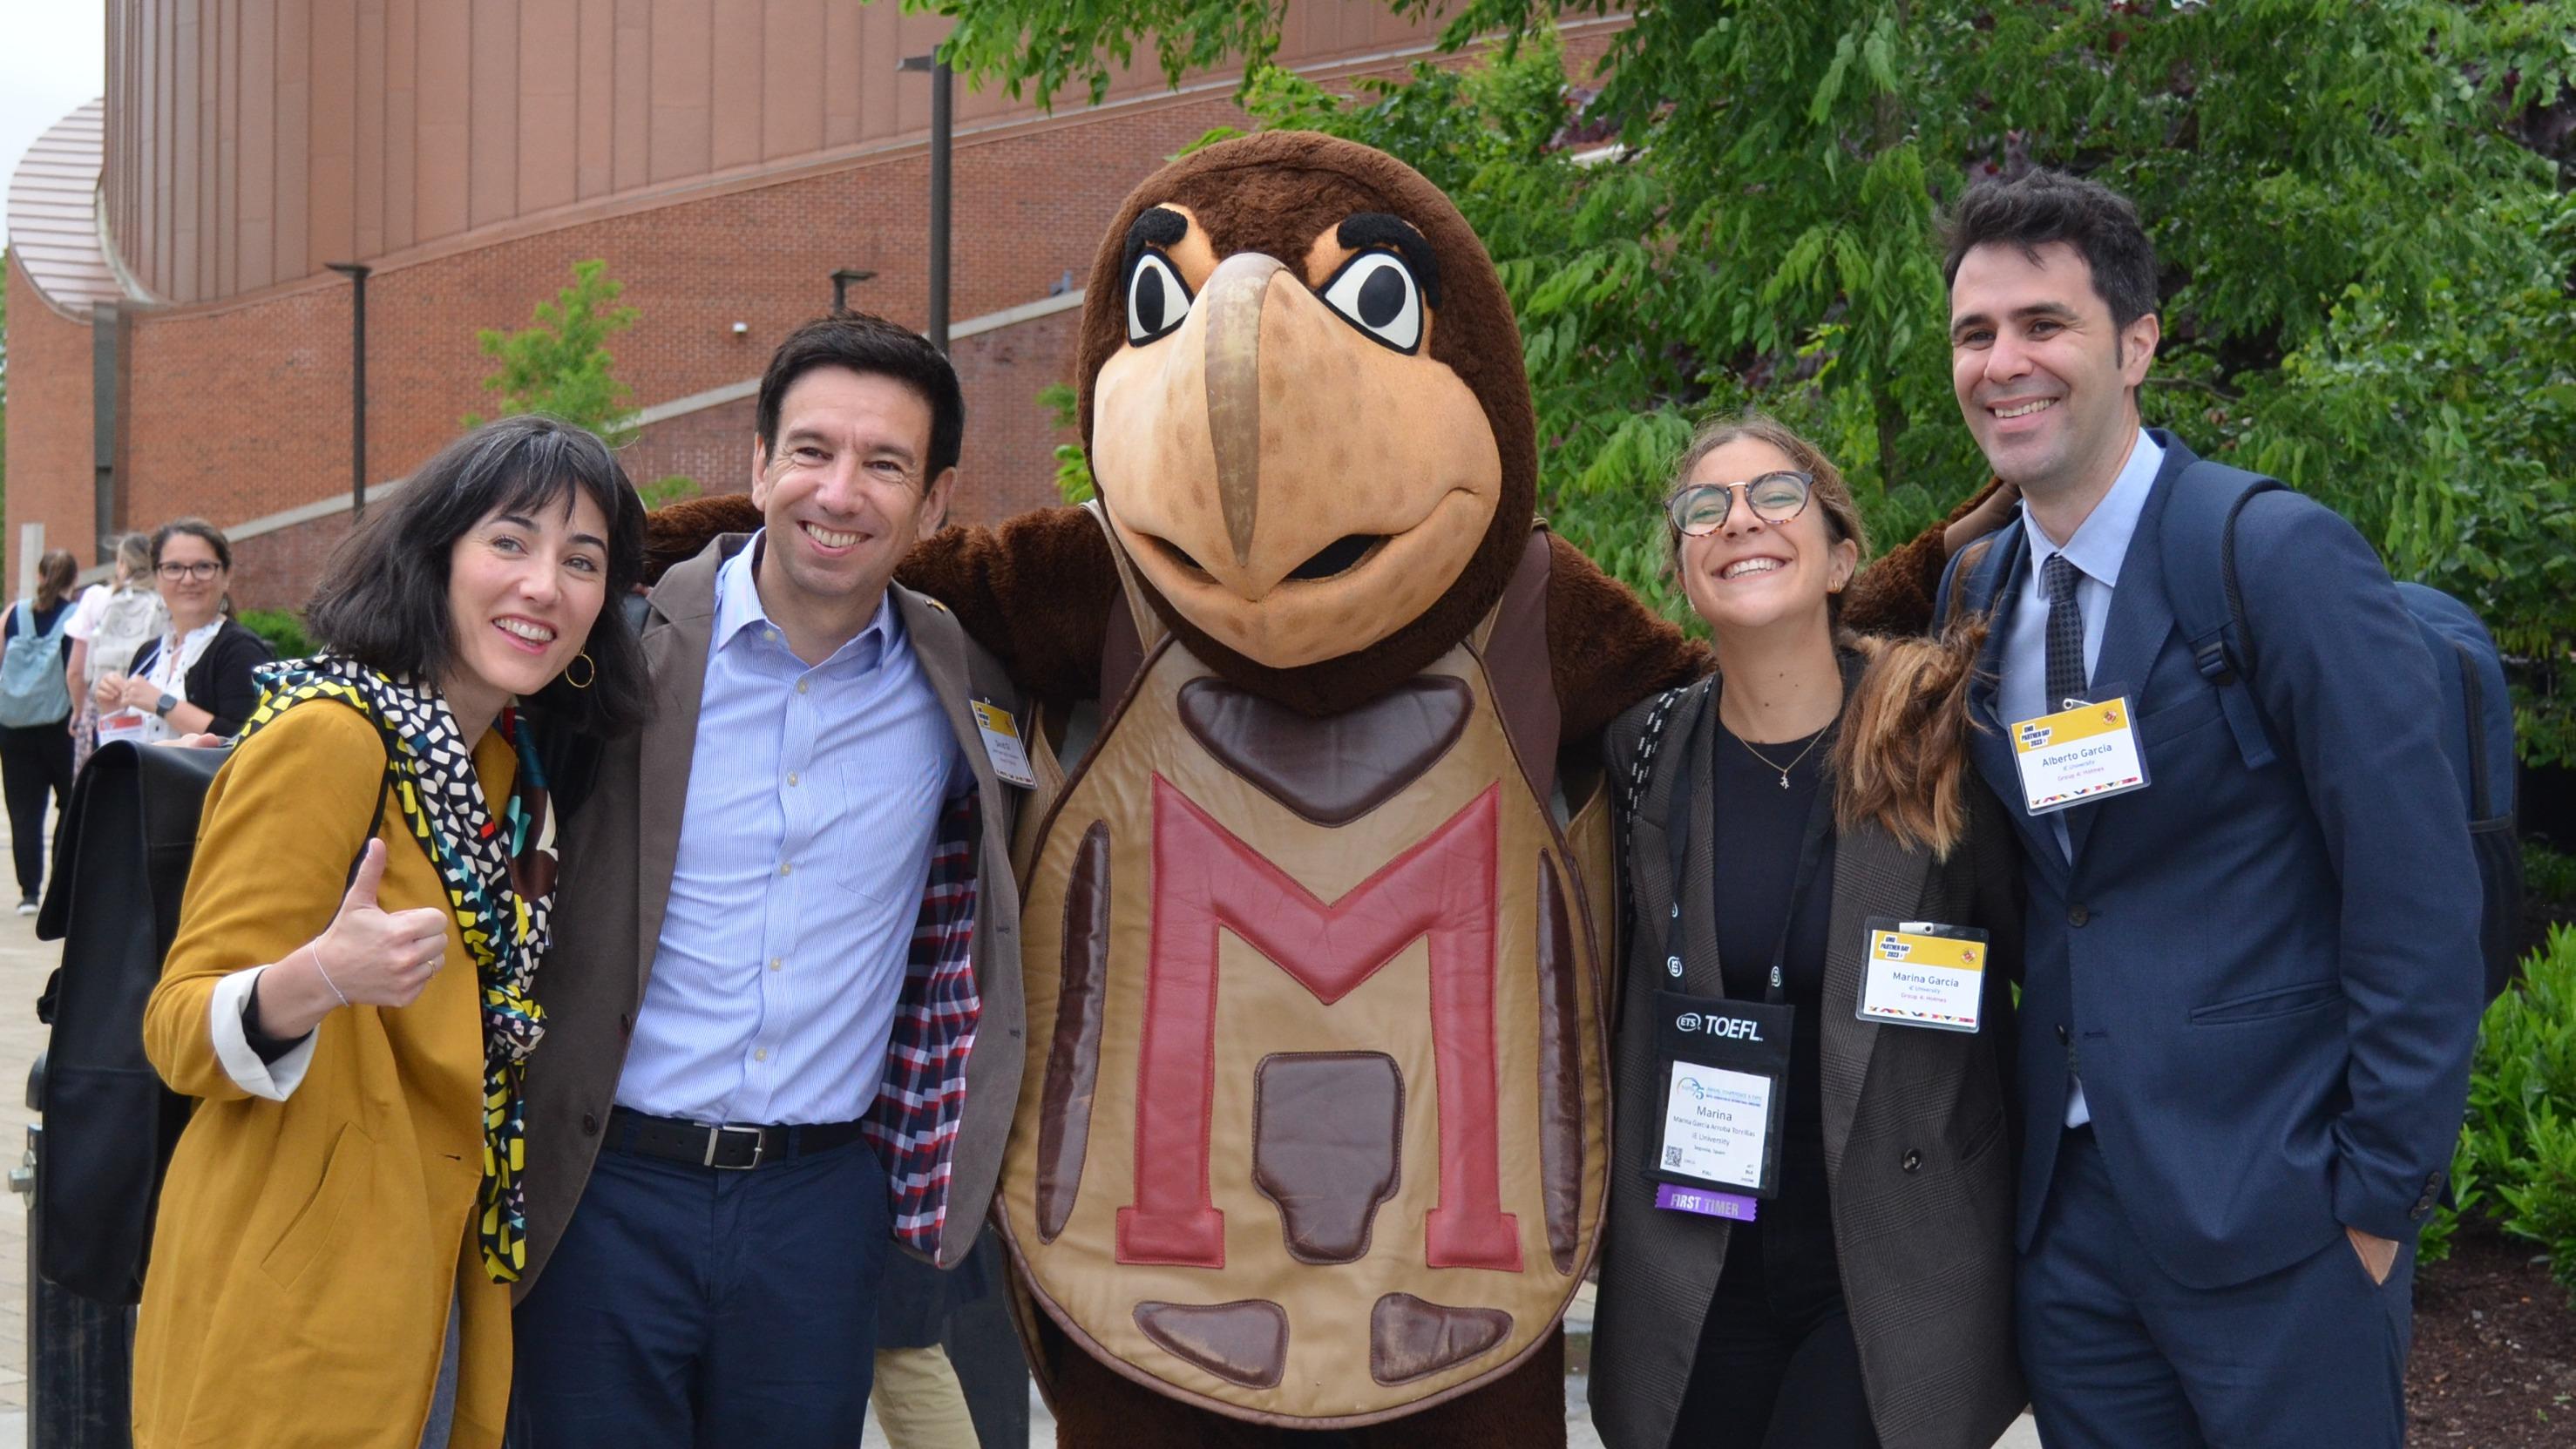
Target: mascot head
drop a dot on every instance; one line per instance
(1304, 403)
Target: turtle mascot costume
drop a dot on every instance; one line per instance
(1316, 876)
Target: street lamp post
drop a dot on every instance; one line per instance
(357, 273)
(942, 119)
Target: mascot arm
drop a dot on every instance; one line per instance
(1036, 590)
(1606, 649)
(1895, 594)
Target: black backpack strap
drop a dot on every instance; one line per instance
(376, 824)
(2196, 540)
(1974, 576)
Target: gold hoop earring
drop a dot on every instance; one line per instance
(587, 680)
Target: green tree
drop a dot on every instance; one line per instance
(2366, 266)
(560, 364)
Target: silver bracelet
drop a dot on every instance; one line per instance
(326, 976)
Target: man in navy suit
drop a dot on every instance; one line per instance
(2251, 993)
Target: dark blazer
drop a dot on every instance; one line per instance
(618, 854)
(1918, 1146)
(2269, 979)
(219, 682)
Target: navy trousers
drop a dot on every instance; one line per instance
(2121, 1356)
(694, 1308)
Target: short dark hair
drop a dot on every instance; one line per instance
(867, 344)
(2040, 206)
(383, 599)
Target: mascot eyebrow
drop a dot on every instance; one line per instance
(1157, 227)
(1377, 229)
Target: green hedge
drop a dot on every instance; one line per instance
(283, 630)
(2516, 1164)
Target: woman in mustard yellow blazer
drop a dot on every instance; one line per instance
(341, 1215)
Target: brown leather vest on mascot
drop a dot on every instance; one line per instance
(1315, 1121)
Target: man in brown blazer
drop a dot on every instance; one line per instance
(783, 1011)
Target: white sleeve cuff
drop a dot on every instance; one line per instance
(275, 1080)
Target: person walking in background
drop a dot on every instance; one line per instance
(35, 707)
(343, 1213)
(111, 621)
(1845, 1281)
(195, 677)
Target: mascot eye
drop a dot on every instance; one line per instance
(1156, 300)
(1376, 291)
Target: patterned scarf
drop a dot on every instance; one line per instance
(500, 879)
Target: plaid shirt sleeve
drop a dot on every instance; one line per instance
(913, 1122)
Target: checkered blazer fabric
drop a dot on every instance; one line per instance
(913, 1122)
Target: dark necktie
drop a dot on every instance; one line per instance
(2065, 633)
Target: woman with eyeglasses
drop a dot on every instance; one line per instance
(1809, 1238)
(196, 678)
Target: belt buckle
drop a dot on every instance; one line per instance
(759, 1144)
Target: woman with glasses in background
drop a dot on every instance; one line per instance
(196, 678)
(1849, 1283)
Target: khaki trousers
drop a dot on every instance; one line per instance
(918, 1401)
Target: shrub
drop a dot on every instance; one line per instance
(283, 629)
(2516, 1162)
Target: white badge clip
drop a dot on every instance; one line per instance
(1916, 973)
(1002, 744)
(2077, 756)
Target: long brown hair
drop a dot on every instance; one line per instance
(56, 571)
(1902, 756)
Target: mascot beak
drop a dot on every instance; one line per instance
(1293, 484)
(1232, 307)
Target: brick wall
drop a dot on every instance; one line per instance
(241, 410)
(50, 448)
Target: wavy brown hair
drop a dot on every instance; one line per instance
(1901, 758)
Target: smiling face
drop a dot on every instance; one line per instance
(192, 579)
(843, 497)
(2045, 380)
(1288, 463)
(1754, 575)
(523, 589)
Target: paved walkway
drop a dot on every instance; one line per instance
(24, 964)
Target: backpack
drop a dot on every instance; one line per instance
(2474, 711)
(32, 687)
(130, 618)
(2196, 543)
(120, 867)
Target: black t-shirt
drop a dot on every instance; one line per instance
(1787, 1253)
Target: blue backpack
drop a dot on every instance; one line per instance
(32, 688)
(2197, 543)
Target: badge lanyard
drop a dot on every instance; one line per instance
(1725, 1063)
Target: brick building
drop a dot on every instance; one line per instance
(176, 343)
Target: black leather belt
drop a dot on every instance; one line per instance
(735, 1147)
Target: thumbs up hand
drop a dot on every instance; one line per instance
(369, 957)
(377, 957)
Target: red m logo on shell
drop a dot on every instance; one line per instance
(1204, 878)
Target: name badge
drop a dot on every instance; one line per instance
(1002, 744)
(2077, 755)
(125, 724)
(1920, 973)
(1725, 1070)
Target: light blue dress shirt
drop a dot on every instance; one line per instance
(2101, 541)
(813, 796)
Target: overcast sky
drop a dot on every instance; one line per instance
(53, 57)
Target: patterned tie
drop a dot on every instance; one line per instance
(2065, 633)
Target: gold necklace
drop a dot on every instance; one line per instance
(1776, 765)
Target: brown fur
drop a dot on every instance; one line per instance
(1272, 193)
